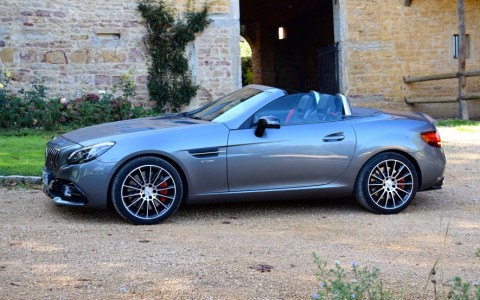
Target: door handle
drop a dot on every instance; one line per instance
(334, 137)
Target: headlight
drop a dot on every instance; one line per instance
(89, 153)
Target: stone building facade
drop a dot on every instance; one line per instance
(379, 42)
(385, 40)
(84, 46)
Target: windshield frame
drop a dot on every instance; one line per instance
(214, 110)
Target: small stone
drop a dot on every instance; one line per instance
(6, 55)
(59, 14)
(136, 55)
(103, 79)
(32, 180)
(111, 56)
(83, 56)
(28, 56)
(142, 79)
(42, 13)
(55, 57)
(79, 37)
(262, 268)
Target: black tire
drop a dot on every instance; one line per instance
(387, 183)
(146, 190)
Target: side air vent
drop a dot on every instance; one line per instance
(205, 152)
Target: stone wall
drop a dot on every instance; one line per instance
(84, 46)
(385, 40)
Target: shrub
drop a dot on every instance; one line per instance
(94, 109)
(32, 108)
(170, 82)
(25, 109)
(247, 70)
(359, 283)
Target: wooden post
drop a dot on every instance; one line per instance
(462, 54)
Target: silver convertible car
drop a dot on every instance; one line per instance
(258, 143)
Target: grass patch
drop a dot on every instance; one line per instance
(457, 123)
(469, 126)
(23, 152)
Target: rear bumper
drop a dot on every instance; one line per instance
(436, 186)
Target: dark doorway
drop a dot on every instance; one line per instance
(290, 61)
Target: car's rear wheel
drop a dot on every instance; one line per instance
(387, 183)
(147, 190)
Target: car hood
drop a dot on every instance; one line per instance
(128, 127)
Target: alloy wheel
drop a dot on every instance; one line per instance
(390, 184)
(148, 192)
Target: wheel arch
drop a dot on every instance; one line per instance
(404, 154)
(177, 166)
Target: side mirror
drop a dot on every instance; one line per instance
(266, 122)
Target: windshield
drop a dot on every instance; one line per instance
(215, 109)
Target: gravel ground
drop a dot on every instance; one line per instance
(215, 251)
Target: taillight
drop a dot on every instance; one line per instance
(432, 138)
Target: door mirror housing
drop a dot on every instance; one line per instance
(266, 122)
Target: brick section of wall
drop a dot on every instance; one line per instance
(85, 46)
(386, 41)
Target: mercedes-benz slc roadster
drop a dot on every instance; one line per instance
(258, 143)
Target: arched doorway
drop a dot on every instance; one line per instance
(286, 37)
(246, 57)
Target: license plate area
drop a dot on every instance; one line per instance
(46, 177)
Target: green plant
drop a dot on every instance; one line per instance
(359, 283)
(247, 63)
(170, 81)
(457, 123)
(32, 108)
(247, 71)
(459, 289)
(126, 85)
(25, 109)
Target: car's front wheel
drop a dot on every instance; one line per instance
(147, 190)
(387, 183)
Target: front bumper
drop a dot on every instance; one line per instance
(85, 185)
(62, 192)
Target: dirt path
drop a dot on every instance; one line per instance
(208, 251)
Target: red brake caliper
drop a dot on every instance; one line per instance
(163, 185)
(402, 186)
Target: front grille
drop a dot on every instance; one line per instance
(51, 158)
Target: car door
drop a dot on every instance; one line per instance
(300, 153)
(289, 157)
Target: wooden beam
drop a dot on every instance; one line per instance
(430, 100)
(408, 2)
(413, 79)
(445, 99)
(475, 96)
